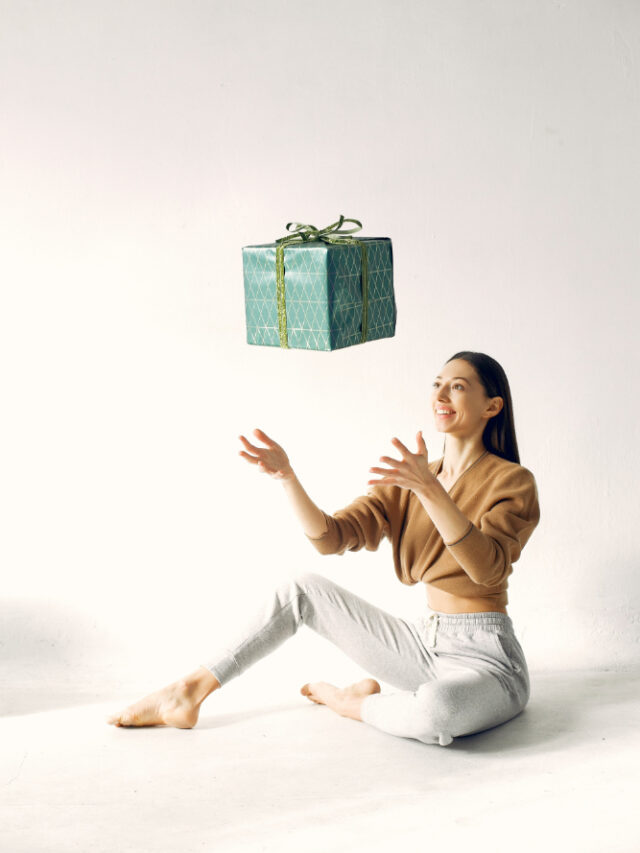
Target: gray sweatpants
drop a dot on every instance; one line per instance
(455, 674)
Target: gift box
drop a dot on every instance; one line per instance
(320, 289)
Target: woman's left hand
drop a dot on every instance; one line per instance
(410, 472)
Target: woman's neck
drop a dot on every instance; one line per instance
(459, 454)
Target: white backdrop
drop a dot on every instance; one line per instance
(143, 143)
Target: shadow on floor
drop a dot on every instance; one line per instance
(222, 720)
(46, 653)
(16, 701)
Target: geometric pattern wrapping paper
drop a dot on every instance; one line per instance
(323, 292)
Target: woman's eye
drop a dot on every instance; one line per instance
(461, 387)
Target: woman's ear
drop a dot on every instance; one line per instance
(495, 406)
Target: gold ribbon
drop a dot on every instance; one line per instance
(334, 233)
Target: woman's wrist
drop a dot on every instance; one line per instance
(310, 516)
(431, 490)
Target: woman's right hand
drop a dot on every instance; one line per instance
(270, 460)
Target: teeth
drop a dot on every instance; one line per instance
(444, 412)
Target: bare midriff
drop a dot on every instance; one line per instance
(445, 602)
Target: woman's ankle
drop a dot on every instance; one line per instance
(201, 683)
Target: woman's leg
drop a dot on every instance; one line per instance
(383, 644)
(438, 711)
(481, 681)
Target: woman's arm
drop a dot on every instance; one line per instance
(413, 473)
(273, 460)
(452, 524)
(309, 515)
(486, 550)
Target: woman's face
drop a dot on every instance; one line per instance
(459, 401)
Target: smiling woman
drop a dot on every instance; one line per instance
(484, 380)
(457, 524)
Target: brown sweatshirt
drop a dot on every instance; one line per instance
(500, 499)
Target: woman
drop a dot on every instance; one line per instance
(457, 524)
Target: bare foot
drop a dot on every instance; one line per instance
(345, 701)
(176, 705)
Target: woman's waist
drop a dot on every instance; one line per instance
(448, 603)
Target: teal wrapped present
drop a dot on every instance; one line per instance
(319, 289)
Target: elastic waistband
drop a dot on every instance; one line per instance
(469, 621)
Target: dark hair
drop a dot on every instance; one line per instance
(499, 434)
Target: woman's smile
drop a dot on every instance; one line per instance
(444, 413)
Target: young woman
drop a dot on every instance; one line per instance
(457, 524)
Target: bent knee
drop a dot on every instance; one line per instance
(435, 713)
(310, 580)
(300, 589)
(449, 709)
(309, 583)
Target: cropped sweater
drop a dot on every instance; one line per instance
(499, 498)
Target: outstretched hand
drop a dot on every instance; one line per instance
(270, 460)
(410, 472)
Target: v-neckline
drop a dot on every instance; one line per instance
(457, 480)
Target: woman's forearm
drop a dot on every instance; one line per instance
(309, 515)
(273, 460)
(451, 523)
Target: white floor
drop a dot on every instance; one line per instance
(564, 776)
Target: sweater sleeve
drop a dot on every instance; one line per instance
(362, 524)
(488, 549)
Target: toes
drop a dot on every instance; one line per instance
(128, 718)
(309, 692)
(117, 720)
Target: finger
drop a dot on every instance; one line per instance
(253, 459)
(389, 461)
(422, 447)
(384, 471)
(250, 446)
(264, 437)
(404, 450)
(384, 481)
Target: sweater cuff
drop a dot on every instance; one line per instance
(480, 557)
(464, 536)
(329, 542)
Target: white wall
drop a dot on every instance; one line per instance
(143, 143)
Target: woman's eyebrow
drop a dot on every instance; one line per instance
(464, 378)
